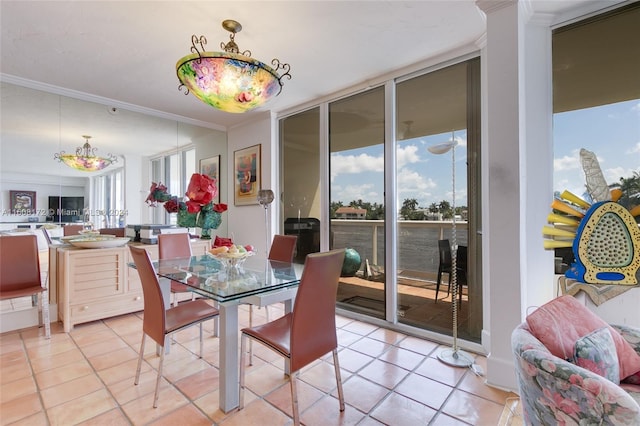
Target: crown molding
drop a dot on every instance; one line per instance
(49, 88)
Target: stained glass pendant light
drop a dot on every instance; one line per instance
(85, 158)
(229, 81)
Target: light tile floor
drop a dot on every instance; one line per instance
(85, 377)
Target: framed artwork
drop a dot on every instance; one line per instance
(22, 202)
(211, 167)
(247, 169)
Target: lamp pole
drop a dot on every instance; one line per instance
(453, 356)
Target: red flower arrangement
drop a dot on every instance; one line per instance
(198, 210)
(200, 194)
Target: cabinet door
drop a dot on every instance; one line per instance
(96, 274)
(200, 247)
(132, 273)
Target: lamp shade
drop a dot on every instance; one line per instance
(85, 159)
(228, 81)
(84, 164)
(231, 80)
(265, 197)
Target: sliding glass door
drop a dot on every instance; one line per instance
(433, 113)
(349, 141)
(356, 170)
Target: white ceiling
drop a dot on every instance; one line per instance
(122, 55)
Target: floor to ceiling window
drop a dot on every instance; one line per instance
(300, 177)
(596, 105)
(356, 168)
(430, 109)
(109, 210)
(434, 135)
(174, 171)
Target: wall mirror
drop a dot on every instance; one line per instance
(37, 124)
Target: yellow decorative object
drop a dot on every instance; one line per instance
(565, 208)
(616, 194)
(608, 250)
(569, 196)
(557, 218)
(554, 244)
(557, 232)
(603, 235)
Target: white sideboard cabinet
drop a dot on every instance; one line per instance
(94, 284)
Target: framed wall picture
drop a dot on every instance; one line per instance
(22, 202)
(247, 169)
(211, 167)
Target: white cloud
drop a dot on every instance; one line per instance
(352, 164)
(407, 155)
(635, 149)
(613, 175)
(365, 192)
(566, 163)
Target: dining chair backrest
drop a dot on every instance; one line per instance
(72, 229)
(118, 232)
(46, 235)
(19, 265)
(313, 324)
(174, 246)
(283, 248)
(154, 321)
(445, 253)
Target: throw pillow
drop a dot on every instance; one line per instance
(597, 353)
(558, 324)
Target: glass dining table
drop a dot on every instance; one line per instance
(258, 281)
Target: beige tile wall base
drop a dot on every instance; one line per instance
(24, 318)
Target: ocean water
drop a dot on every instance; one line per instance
(418, 246)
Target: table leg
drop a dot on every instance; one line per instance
(288, 307)
(229, 358)
(165, 287)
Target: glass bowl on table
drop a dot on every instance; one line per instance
(231, 260)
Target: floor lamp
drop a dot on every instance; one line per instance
(453, 356)
(265, 197)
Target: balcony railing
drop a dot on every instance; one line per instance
(417, 242)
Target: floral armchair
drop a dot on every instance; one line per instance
(555, 391)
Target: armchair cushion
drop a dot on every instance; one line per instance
(597, 353)
(559, 323)
(554, 391)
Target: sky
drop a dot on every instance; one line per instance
(358, 174)
(612, 132)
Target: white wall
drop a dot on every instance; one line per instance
(247, 223)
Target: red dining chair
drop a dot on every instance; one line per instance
(309, 331)
(71, 229)
(283, 248)
(117, 232)
(157, 322)
(174, 246)
(20, 274)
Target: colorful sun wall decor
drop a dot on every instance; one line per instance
(603, 235)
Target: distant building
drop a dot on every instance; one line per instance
(352, 213)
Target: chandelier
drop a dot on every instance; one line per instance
(229, 81)
(85, 159)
